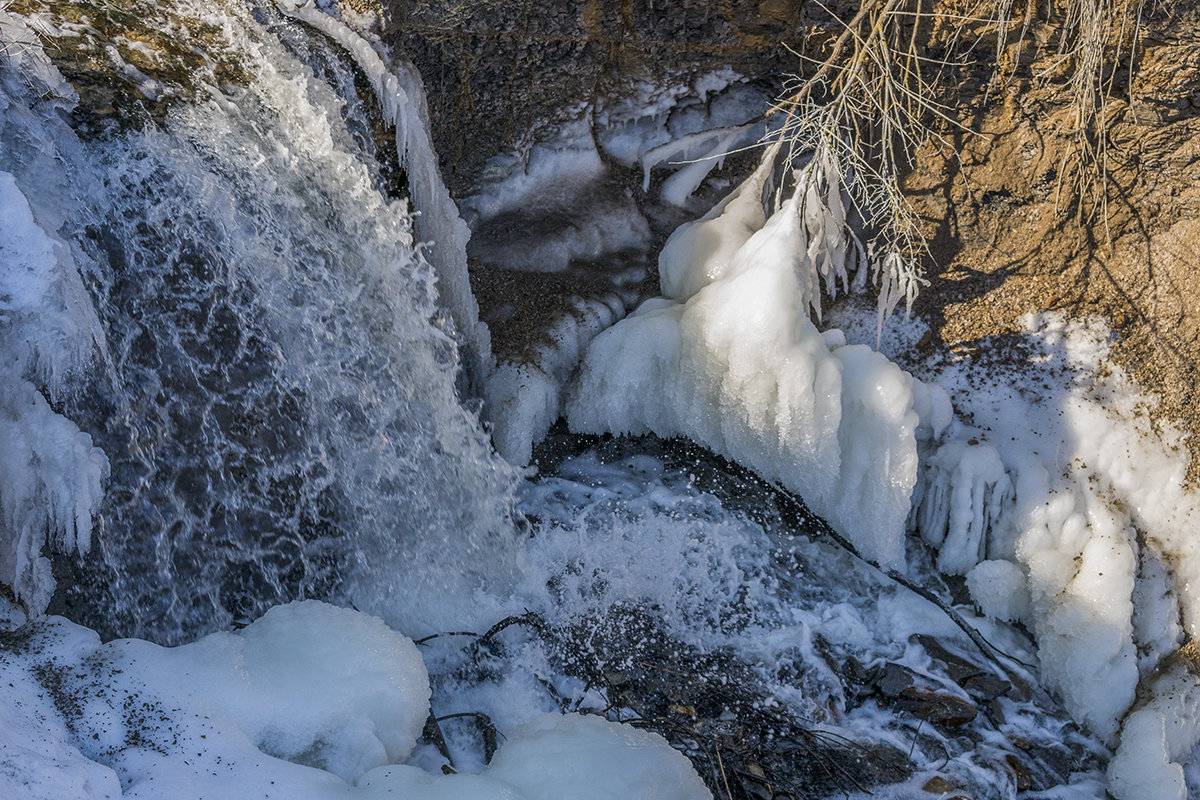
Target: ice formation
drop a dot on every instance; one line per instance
(522, 401)
(699, 153)
(51, 475)
(1039, 503)
(729, 358)
(553, 205)
(310, 702)
(1066, 510)
(1060, 495)
(1162, 730)
(687, 128)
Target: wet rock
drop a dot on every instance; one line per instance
(976, 679)
(129, 62)
(937, 785)
(909, 691)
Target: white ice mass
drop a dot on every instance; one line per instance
(729, 358)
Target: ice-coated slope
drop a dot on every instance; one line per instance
(1067, 509)
(729, 358)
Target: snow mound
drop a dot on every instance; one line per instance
(307, 682)
(310, 702)
(574, 756)
(559, 756)
(729, 358)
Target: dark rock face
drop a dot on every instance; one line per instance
(501, 74)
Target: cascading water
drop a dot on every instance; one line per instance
(276, 390)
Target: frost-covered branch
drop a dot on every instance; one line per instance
(872, 101)
(859, 118)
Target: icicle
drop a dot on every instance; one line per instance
(967, 491)
(699, 160)
(50, 487)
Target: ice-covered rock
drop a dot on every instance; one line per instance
(50, 487)
(1161, 732)
(51, 475)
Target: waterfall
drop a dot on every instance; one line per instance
(274, 387)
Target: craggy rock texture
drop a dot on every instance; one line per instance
(1007, 237)
(500, 72)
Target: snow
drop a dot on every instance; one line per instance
(1067, 510)
(38, 760)
(556, 756)
(309, 701)
(364, 688)
(574, 756)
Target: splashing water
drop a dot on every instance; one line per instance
(276, 392)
